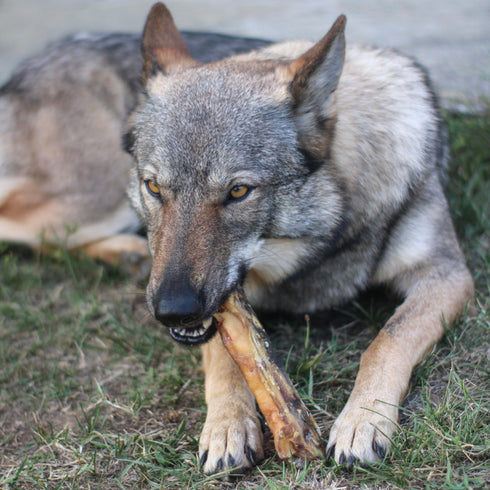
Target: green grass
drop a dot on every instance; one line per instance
(93, 394)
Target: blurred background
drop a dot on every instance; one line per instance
(450, 37)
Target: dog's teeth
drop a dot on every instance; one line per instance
(195, 332)
(207, 323)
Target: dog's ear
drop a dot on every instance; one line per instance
(315, 75)
(162, 45)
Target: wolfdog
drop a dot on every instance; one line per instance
(305, 173)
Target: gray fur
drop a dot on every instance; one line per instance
(191, 129)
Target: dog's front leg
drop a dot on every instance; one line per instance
(232, 436)
(363, 429)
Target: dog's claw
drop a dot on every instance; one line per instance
(204, 458)
(342, 459)
(219, 465)
(352, 460)
(380, 450)
(231, 461)
(330, 452)
(251, 455)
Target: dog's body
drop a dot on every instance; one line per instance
(302, 175)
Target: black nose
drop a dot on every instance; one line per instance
(177, 303)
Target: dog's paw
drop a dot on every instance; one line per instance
(362, 433)
(230, 440)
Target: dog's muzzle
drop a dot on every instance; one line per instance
(194, 335)
(180, 307)
(183, 309)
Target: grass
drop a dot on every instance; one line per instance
(94, 395)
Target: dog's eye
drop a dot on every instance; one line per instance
(152, 188)
(239, 192)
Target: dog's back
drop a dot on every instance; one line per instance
(62, 161)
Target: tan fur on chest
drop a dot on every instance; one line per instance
(275, 260)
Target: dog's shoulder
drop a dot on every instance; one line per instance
(389, 133)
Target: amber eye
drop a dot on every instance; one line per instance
(152, 188)
(239, 191)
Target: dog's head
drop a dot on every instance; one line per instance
(225, 160)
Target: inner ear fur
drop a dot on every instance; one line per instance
(162, 45)
(315, 75)
(321, 65)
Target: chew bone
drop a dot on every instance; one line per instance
(295, 432)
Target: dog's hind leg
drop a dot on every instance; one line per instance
(437, 287)
(30, 217)
(106, 241)
(232, 436)
(132, 250)
(26, 211)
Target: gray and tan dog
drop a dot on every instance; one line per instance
(305, 172)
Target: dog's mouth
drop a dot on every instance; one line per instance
(195, 335)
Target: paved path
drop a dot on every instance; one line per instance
(450, 37)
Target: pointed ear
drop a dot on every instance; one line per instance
(315, 75)
(162, 45)
(317, 72)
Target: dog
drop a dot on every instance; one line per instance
(305, 173)
(63, 170)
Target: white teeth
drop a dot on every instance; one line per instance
(197, 332)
